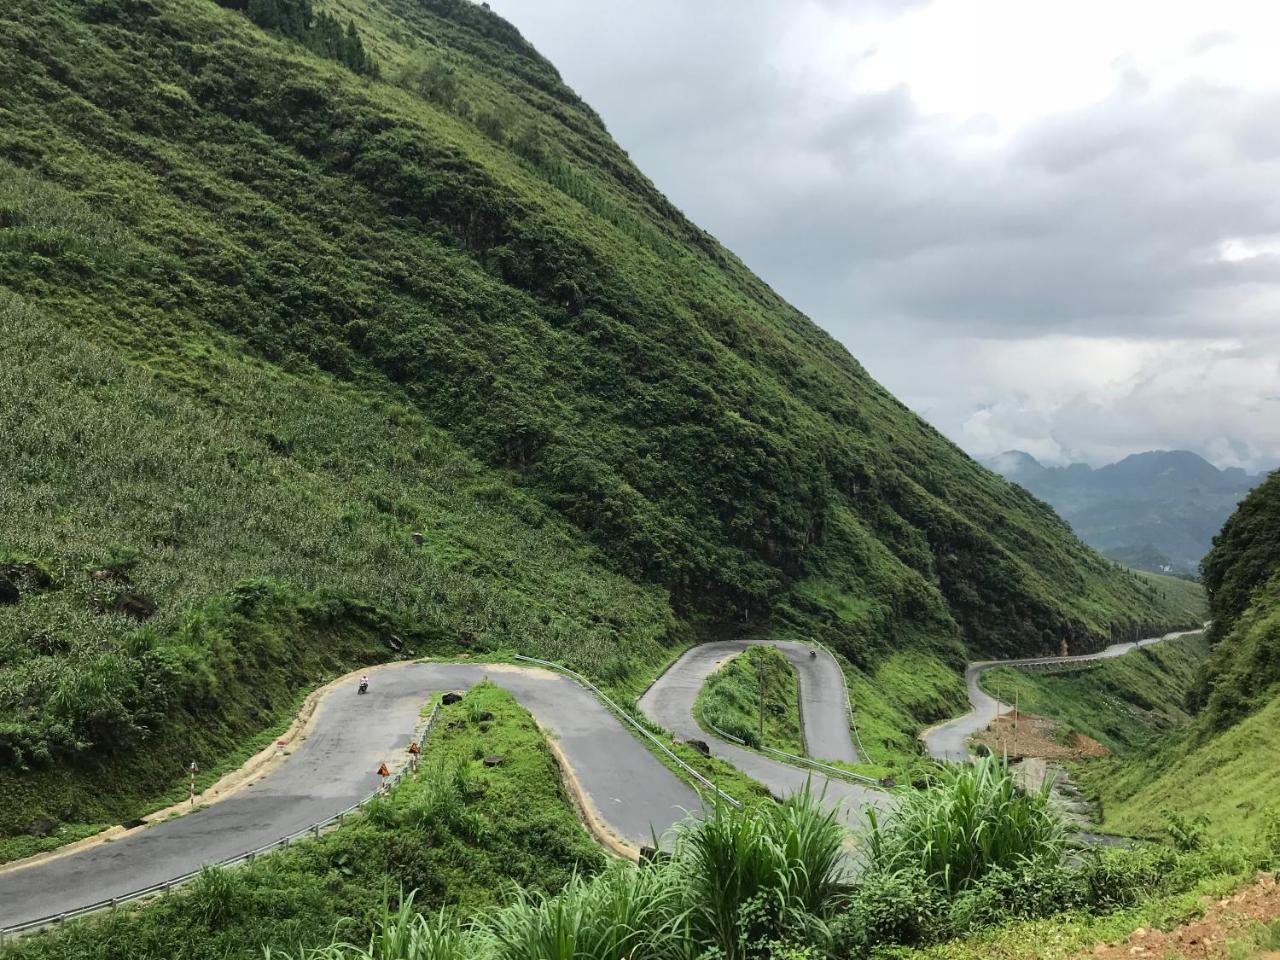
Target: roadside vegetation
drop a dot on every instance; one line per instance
(894, 701)
(969, 865)
(467, 860)
(730, 700)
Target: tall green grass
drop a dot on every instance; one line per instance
(625, 914)
(741, 884)
(973, 820)
(760, 872)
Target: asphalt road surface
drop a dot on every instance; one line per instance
(948, 741)
(824, 714)
(335, 767)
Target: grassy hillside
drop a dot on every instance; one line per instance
(1225, 766)
(1230, 778)
(403, 343)
(1242, 577)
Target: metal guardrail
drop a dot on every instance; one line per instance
(627, 718)
(793, 758)
(166, 886)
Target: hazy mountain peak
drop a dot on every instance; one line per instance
(1156, 509)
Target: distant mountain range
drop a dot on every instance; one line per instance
(1155, 511)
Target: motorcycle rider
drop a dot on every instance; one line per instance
(364, 683)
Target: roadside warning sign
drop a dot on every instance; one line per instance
(414, 749)
(383, 771)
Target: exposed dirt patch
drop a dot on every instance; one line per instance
(1029, 735)
(1228, 929)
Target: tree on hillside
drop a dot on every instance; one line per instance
(320, 33)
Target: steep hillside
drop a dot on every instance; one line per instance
(324, 338)
(1227, 764)
(1155, 511)
(1242, 578)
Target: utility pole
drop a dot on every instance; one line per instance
(192, 770)
(760, 677)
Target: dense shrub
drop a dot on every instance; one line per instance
(888, 907)
(320, 32)
(1120, 878)
(1269, 835)
(1036, 887)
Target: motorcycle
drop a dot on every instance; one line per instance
(364, 687)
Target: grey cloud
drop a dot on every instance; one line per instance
(892, 229)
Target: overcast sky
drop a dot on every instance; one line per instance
(1046, 226)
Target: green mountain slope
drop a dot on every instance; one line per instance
(1227, 765)
(1242, 577)
(300, 364)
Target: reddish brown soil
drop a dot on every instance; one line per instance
(1033, 736)
(1234, 919)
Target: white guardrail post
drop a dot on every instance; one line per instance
(167, 885)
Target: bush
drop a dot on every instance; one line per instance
(900, 907)
(1269, 835)
(1120, 878)
(217, 896)
(969, 821)
(1185, 833)
(1228, 857)
(1035, 888)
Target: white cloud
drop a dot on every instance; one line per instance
(1236, 249)
(1066, 399)
(1019, 60)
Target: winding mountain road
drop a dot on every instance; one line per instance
(627, 790)
(948, 741)
(824, 714)
(334, 768)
